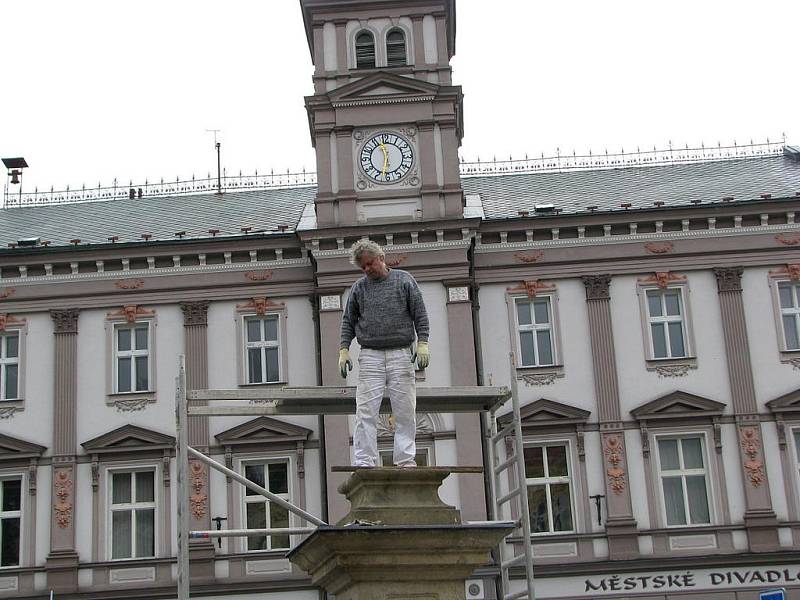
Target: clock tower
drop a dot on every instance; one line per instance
(385, 119)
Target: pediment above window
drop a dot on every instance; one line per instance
(263, 430)
(678, 405)
(788, 403)
(544, 412)
(129, 438)
(383, 85)
(12, 448)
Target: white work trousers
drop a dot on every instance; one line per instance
(378, 369)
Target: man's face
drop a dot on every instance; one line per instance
(373, 266)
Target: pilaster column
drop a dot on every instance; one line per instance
(620, 524)
(463, 371)
(347, 193)
(62, 561)
(419, 39)
(759, 517)
(195, 327)
(337, 429)
(430, 190)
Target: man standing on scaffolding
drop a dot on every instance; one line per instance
(384, 310)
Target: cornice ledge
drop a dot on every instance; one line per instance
(421, 247)
(635, 238)
(398, 100)
(159, 272)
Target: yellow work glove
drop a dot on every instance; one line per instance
(422, 355)
(345, 364)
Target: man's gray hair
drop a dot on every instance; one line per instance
(364, 247)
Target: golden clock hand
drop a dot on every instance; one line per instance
(385, 160)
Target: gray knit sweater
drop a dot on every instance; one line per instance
(384, 313)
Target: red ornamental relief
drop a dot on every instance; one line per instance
(63, 508)
(7, 292)
(616, 474)
(528, 258)
(654, 248)
(264, 275)
(788, 239)
(260, 305)
(531, 287)
(751, 445)
(395, 260)
(198, 481)
(6, 320)
(129, 284)
(662, 279)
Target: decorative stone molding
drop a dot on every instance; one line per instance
(788, 239)
(195, 313)
(791, 270)
(129, 284)
(530, 257)
(598, 287)
(65, 321)
(8, 412)
(662, 279)
(458, 293)
(263, 275)
(395, 260)
(543, 378)
(794, 361)
(7, 320)
(614, 450)
(751, 446)
(645, 437)
(531, 287)
(131, 313)
(671, 370)
(729, 279)
(6, 292)
(260, 305)
(659, 248)
(62, 507)
(132, 405)
(198, 478)
(330, 302)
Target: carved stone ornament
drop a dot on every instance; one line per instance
(545, 378)
(132, 405)
(7, 319)
(531, 287)
(62, 506)
(528, 257)
(8, 412)
(598, 287)
(791, 270)
(616, 474)
(330, 302)
(788, 239)
(65, 321)
(195, 313)
(131, 313)
(6, 292)
(197, 481)
(672, 370)
(659, 248)
(751, 445)
(795, 362)
(263, 275)
(729, 279)
(662, 279)
(395, 260)
(129, 284)
(260, 305)
(458, 293)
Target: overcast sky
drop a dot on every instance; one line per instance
(94, 90)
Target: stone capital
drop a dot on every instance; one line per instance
(65, 321)
(729, 279)
(598, 287)
(195, 313)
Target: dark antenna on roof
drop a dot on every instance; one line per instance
(219, 169)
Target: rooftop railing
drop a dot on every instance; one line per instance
(478, 168)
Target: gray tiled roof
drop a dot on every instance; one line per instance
(502, 197)
(161, 217)
(572, 192)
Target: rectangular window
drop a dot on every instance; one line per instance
(789, 297)
(132, 357)
(549, 483)
(684, 480)
(260, 513)
(535, 331)
(9, 366)
(10, 521)
(133, 514)
(666, 322)
(262, 349)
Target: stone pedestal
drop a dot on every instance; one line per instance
(399, 541)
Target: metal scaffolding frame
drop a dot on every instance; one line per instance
(322, 400)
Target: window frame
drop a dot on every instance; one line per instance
(356, 34)
(551, 293)
(386, 35)
(110, 471)
(572, 473)
(665, 365)
(291, 473)
(263, 345)
(707, 474)
(131, 316)
(786, 353)
(20, 514)
(261, 307)
(19, 327)
(132, 354)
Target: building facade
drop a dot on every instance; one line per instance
(648, 308)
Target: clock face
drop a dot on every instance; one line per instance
(386, 157)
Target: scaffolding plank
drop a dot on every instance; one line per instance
(339, 400)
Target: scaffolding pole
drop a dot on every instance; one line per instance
(183, 487)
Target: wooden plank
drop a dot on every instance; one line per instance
(438, 468)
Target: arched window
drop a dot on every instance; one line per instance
(365, 50)
(395, 48)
